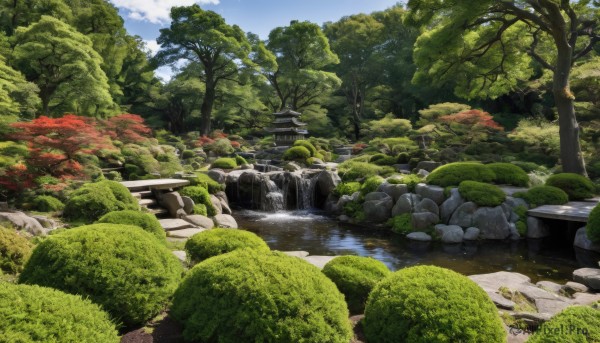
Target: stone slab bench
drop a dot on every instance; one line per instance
(145, 185)
(573, 211)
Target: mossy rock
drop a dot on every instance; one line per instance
(574, 324)
(482, 194)
(576, 186)
(146, 221)
(218, 241)
(14, 251)
(201, 196)
(543, 195)
(371, 184)
(346, 188)
(309, 146)
(431, 304)
(296, 153)
(250, 296)
(224, 163)
(355, 277)
(453, 174)
(509, 174)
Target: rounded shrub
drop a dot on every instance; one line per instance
(14, 251)
(592, 228)
(215, 242)
(250, 296)
(40, 314)
(453, 174)
(200, 209)
(431, 304)
(93, 200)
(482, 194)
(48, 203)
(187, 154)
(574, 324)
(576, 186)
(544, 195)
(224, 163)
(308, 145)
(120, 267)
(200, 196)
(347, 188)
(382, 160)
(509, 174)
(240, 160)
(296, 153)
(146, 221)
(371, 184)
(355, 277)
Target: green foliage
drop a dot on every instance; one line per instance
(221, 241)
(200, 209)
(539, 136)
(296, 153)
(346, 188)
(47, 203)
(224, 163)
(247, 296)
(576, 186)
(308, 145)
(575, 324)
(433, 112)
(14, 251)
(355, 277)
(200, 196)
(123, 268)
(187, 154)
(482, 194)
(114, 176)
(146, 221)
(94, 200)
(453, 174)
(207, 182)
(543, 195)
(39, 314)
(528, 167)
(592, 228)
(240, 160)
(371, 184)
(383, 160)
(509, 174)
(388, 126)
(456, 308)
(221, 147)
(352, 170)
(410, 180)
(401, 224)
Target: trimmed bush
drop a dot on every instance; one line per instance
(382, 160)
(14, 251)
(453, 174)
(216, 242)
(207, 182)
(120, 267)
(410, 180)
(296, 153)
(186, 154)
(592, 228)
(509, 174)
(353, 170)
(146, 221)
(308, 145)
(240, 160)
(482, 194)
(576, 186)
(355, 277)
(224, 163)
(346, 188)
(40, 314)
(48, 203)
(250, 296)
(200, 209)
(93, 200)
(574, 324)
(371, 184)
(543, 195)
(431, 304)
(200, 196)
(528, 167)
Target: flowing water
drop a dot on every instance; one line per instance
(321, 235)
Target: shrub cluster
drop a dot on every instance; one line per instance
(509, 174)
(543, 195)
(216, 242)
(482, 194)
(296, 153)
(250, 296)
(592, 229)
(146, 221)
(47, 203)
(352, 170)
(224, 163)
(240, 160)
(574, 324)
(200, 196)
(207, 182)
(40, 314)
(120, 267)
(401, 224)
(371, 184)
(576, 186)
(94, 200)
(453, 174)
(431, 304)
(14, 251)
(346, 188)
(355, 277)
(309, 146)
(411, 181)
(383, 160)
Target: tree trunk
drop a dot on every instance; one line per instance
(207, 106)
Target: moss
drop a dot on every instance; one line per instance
(202, 179)
(121, 267)
(401, 224)
(574, 324)
(146, 221)
(410, 180)
(346, 188)
(592, 228)
(383, 160)
(355, 277)
(431, 304)
(200, 209)
(200, 196)
(528, 167)
(249, 296)
(220, 241)
(39, 314)
(543, 195)
(576, 186)
(240, 160)
(224, 163)
(509, 174)
(296, 153)
(94, 200)
(309, 146)
(48, 203)
(454, 173)
(371, 184)
(186, 154)
(353, 170)
(14, 251)
(482, 194)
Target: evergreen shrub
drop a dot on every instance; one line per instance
(453, 174)
(576, 186)
(482, 194)
(219, 241)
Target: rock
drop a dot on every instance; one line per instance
(218, 175)
(393, 190)
(434, 193)
(571, 288)
(423, 221)
(188, 204)
(292, 167)
(550, 286)
(224, 206)
(551, 306)
(428, 205)
(403, 167)
(327, 181)
(300, 254)
(344, 218)
(184, 233)
(450, 233)
(181, 255)
(375, 196)
(513, 202)
(463, 215)
(419, 236)
(428, 165)
(200, 221)
(492, 222)
(379, 209)
(225, 221)
(471, 234)
(501, 302)
(317, 161)
(345, 199)
(46, 222)
(493, 281)
(21, 221)
(450, 205)
(588, 276)
(175, 224)
(514, 233)
(585, 298)
(537, 228)
(216, 202)
(532, 319)
(583, 242)
(423, 173)
(247, 166)
(173, 203)
(405, 204)
(318, 261)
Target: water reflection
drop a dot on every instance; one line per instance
(320, 235)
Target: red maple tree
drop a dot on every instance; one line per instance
(471, 118)
(127, 128)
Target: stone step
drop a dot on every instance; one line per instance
(159, 211)
(136, 195)
(142, 194)
(175, 224)
(185, 233)
(147, 202)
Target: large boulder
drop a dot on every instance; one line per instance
(424, 221)
(450, 205)
(450, 233)
(345, 199)
(427, 205)
(582, 241)
(216, 202)
(434, 193)
(218, 175)
(378, 207)
(173, 202)
(463, 215)
(405, 204)
(225, 221)
(537, 228)
(492, 222)
(327, 182)
(200, 221)
(471, 234)
(428, 165)
(588, 276)
(23, 222)
(393, 190)
(188, 204)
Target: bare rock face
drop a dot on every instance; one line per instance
(327, 181)
(216, 202)
(393, 190)
(405, 204)
(450, 205)
(188, 204)
(427, 205)
(378, 207)
(588, 276)
(200, 221)
(492, 222)
(463, 216)
(582, 241)
(537, 228)
(23, 222)
(419, 236)
(225, 221)
(450, 233)
(218, 175)
(424, 221)
(434, 193)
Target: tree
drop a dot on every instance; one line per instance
(127, 128)
(17, 96)
(202, 36)
(489, 45)
(17, 13)
(64, 66)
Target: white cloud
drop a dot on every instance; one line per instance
(152, 46)
(155, 11)
(164, 73)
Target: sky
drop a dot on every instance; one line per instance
(146, 17)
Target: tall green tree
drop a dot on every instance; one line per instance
(488, 46)
(15, 13)
(64, 66)
(204, 37)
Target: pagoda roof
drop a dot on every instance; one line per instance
(288, 129)
(289, 120)
(287, 113)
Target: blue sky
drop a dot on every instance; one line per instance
(146, 17)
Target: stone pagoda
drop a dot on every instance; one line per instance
(287, 127)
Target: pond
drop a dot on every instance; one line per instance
(318, 234)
